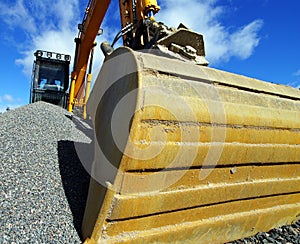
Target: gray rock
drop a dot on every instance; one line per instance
(43, 185)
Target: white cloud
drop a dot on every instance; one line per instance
(58, 41)
(8, 98)
(8, 101)
(47, 25)
(221, 44)
(295, 84)
(38, 16)
(297, 73)
(52, 25)
(9, 106)
(243, 41)
(17, 15)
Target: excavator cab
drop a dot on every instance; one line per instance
(50, 79)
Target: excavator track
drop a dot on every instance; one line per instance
(189, 153)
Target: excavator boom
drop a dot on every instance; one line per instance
(88, 31)
(131, 12)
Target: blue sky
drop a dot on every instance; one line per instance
(256, 38)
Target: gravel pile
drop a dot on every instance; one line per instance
(283, 235)
(43, 186)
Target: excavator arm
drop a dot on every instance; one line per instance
(131, 13)
(88, 31)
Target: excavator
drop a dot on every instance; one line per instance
(182, 152)
(50, 78)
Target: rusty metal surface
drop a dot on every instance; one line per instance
(210, 156)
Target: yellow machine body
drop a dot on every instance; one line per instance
(201, 155)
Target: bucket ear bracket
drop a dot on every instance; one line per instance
(188, 44)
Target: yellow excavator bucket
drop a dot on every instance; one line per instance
(186, 153)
